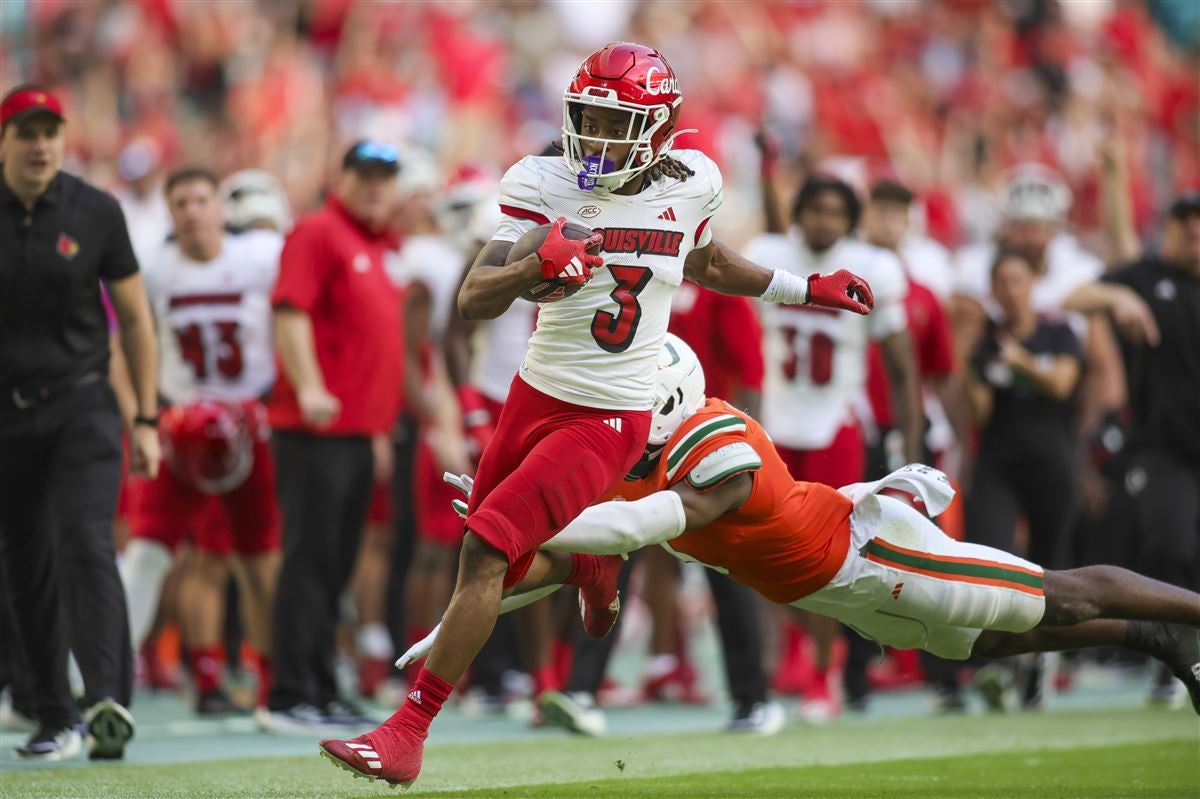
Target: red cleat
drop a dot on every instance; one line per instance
(389, 752)
(600, 603)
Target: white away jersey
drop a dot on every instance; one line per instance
(1068, 266)
(816, 358)
(436, 264)
(498, 346)
(599, 348)
(214, 319)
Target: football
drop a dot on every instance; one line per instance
(548, 290)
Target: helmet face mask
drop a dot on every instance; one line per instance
(628, 78)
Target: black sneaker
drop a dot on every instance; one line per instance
(1179, 648)
(301, 718)
(51, 743)
(109, 728)
(948, 702)
(1031, 680)
(218, 703)
(345, 714)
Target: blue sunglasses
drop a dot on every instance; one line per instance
(377, 152)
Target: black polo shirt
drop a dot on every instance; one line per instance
(1164, 381)
(53, 328)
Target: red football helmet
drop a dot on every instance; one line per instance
(208, 445)
(627, 77)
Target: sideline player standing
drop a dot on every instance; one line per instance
(211, 295)
(816, 367)
(578, 415)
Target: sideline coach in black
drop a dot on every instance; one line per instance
(1164, 395)
(60, 431)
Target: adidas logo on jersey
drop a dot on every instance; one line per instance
(415, 696)
(615, 424)
(668, 214)
(896, 591)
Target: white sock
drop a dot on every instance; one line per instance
(374, 641)
(143, 570)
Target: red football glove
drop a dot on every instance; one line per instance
(568, 259)
(844, 290)
(477, 422)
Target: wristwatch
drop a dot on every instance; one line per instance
(149, 421)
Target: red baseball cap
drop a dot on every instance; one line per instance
(26, 100)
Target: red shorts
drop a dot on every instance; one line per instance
(841, 463)
(380, 510)
(436, 520)
(548, 461)
(245, 520)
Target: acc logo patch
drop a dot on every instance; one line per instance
(67, 247)
(589, 211)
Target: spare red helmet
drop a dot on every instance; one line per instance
(208, 445)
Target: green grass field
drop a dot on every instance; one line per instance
(1061, 754)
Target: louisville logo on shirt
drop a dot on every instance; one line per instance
(67, 247)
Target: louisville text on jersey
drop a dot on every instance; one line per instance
(641, 241)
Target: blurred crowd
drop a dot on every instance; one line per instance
(946, 95)
(1010, 153)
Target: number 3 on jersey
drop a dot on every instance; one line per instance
(615, 332)
(819, 355)
(192, 348)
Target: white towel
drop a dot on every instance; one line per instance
(926, 482)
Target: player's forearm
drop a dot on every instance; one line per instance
(1121, 240)
(457, 343)
(1094, 297)
(979, 400)
(906, 393)
(615, 528)
(773, 218)
(489, 290)
(118, 378)
(297, 350)
(728, 272)
(138, 341)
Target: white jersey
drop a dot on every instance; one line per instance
(499, 345)
(1068, 266)
(816, 358)
(214, 319)
(435, 263)
(599, 348)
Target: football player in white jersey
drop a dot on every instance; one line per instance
(816, 367)
(210, 292)
(577, 415)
